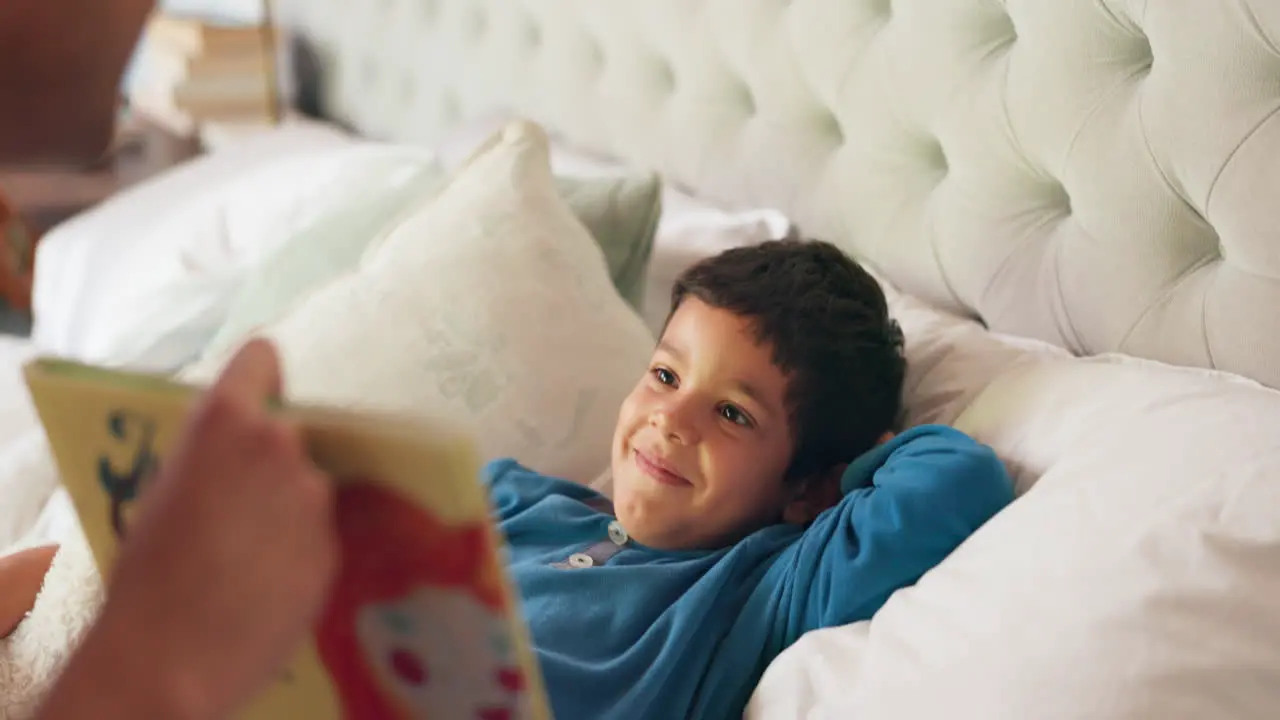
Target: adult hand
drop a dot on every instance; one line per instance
(228, 559)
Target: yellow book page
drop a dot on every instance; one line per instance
(422, 621)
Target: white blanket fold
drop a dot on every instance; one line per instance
(40, 512)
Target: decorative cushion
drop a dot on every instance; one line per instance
(620, 211)
(489, 304)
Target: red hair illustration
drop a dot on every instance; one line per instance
(415, 621)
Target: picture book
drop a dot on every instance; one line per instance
(422, 621)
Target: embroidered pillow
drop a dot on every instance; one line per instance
(489, 304)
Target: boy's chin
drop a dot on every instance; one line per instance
(647, 526)
(644, 522)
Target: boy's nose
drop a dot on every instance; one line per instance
(673, 422)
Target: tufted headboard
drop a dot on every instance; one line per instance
(1101, 174)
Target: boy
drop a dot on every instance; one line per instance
(758, 493)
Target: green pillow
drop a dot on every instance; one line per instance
(620, 212)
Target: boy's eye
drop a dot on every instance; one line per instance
(664, 376)
(735, 416)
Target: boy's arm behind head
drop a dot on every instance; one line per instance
(910, 502)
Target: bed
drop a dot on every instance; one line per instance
(1067, 203)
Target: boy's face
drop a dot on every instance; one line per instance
(704, 439)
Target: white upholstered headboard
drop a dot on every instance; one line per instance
(1101, 174)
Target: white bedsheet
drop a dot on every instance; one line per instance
(26, 478)
(16, 413)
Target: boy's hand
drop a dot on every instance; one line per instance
(21, 577)
(815, 497)
(229, 557)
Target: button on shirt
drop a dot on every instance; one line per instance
(617, 534)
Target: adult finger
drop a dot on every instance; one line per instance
(252, 376)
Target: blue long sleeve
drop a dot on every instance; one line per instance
(642, 633)
(907, 505)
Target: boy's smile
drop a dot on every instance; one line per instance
(663, 472)
(704, 440)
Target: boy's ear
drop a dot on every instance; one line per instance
(811, 497)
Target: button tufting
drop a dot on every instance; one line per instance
(1059, 198)
(829, 126)
(1007, 29)
(935, 156)
(748, 99)
(595, 55)
(666, 77)
(369, 71)
(1144, 57)
(532, 34)
(448, 105)
(478, 23)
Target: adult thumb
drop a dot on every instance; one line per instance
(253, 374)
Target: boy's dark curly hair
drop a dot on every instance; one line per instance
(828, 324)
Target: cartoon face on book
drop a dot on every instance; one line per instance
(420, 621)
(417, 625)
(417, 655)
(126, 466)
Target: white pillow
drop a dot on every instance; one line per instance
(951, 360)
(17, 414)
(1136, 577)
(491, 305)
(149, 277)
(89, 257)
(689, 230)
(28, 478)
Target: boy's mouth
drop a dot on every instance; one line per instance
(658, 469)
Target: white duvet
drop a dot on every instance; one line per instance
(34, 511)
(23, 490)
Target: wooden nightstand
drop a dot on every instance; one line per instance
(44, 198)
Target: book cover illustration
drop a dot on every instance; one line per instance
(421, 622)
